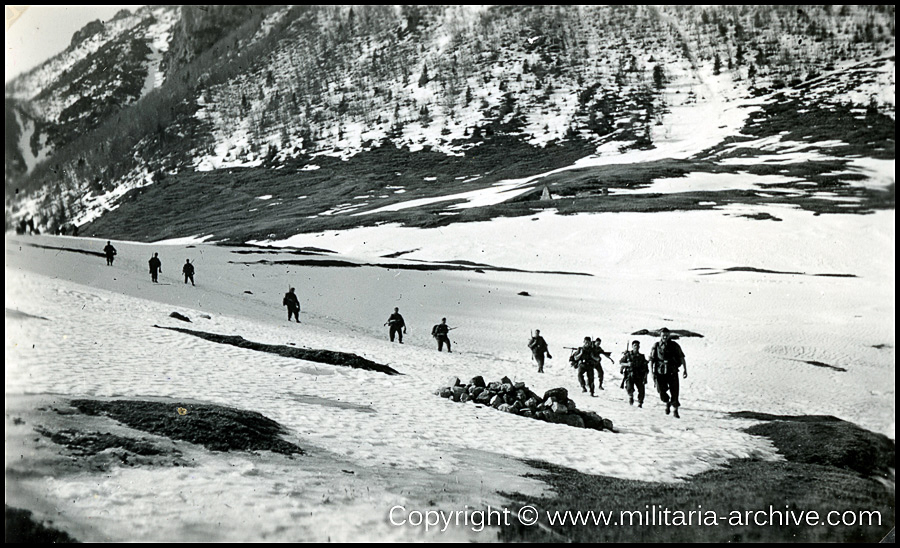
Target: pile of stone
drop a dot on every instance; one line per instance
(516, 398)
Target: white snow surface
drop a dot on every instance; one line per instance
(648, 271)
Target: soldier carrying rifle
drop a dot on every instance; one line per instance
(634, 370)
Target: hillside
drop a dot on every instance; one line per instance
(186, 115)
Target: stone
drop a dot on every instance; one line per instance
(608, 425)
(532, 403)
(475, 390)
(453, 381)
(573, 420)
(458, 391)
(570, 404)
(509, 398)
(517, 405)
(484, 397)
(559, 408)
(478, 381)
(505, 407)
(528, 413)
(521, 395)
(464, 397)
(494, 386)
(496, 401)
(505, 380)
(592, 420)
(445, 392)
(519, 385)
(558, 394)
(181, 317)
(506, 387)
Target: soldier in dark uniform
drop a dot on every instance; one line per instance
(584, 359)
(188, 271)
(155, 267)
(292, 303)
(110, 253)
(396, 324)
(666, 357)
(538, 347)
(441, 333)
(598, 365)
(634, 370)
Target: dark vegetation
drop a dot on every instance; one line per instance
(673, 333)
(20, 527)
(91, 443)
(420, 266)
(830, 466)
(320, 356)
(19, 315)
(215, 427)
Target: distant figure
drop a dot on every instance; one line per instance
(21, 227)
(30, 223)
(110, 253)
(584, 359)
(155, 267)
(292, 303)
(634, 371)
(538, 347)
(598, 365)
(188, 271)
(396, 323)
(62, 230)
(74, 231)
(666, 357)
(441, 333)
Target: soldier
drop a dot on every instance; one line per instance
(188, 271)
(598, 365)
(110, 253)
(441, 333)
(396, 323)
(666, 357)
(584, 359)
(155, 267)
(538, 347)
(292, 303)
(634, 371)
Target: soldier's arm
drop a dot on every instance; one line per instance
(684, 364)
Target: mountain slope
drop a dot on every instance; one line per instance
(278, 88)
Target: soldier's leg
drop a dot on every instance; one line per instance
(581, 371)
(640, 391)
(440, 344)
(448, 345)
(391, 332)
(675, 389)
(629, 388)
(539, 358)
(590, 376)
(662, 383)
(600, 376)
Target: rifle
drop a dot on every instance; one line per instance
(627, 373)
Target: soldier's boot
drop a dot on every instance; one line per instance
(630, 400)
(669, 408)
(677, 416)
(641, 404)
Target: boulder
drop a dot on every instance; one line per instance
(570, 404)
(505, 407)
(478, 381)
(572, 420)
(608, 425)
(445, 392)
(458, 391)
(494, 386)
(558, 394)
(559, 408)
(453, 381)
(528, 413)
(496, 401)
(484, 397)
(475, 390)
(531, 403)
(505, 380)
(464, 397)
(506, 387)
(517, 405)
(181, 317)
(592, 420)
(521, 395)
(509, 398)
(519, 385)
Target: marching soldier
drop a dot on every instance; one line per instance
(634, 370)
